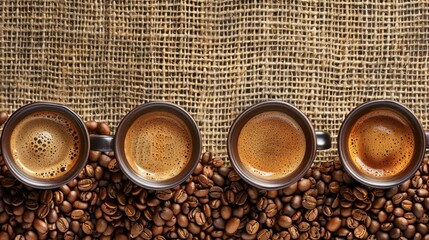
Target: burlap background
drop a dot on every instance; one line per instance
(215, 58)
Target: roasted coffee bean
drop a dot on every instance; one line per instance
(311, 215)
(386, 226)
(334, 224)
(66, 207)
(88, 227)
(40, 225)
(359, 214)
(352, 223)
(85, 184)
(309, 202)
(407, 205)
(109, 207)
(360, 232)
(46, 196)
(303, 227)
(200, 218)
(231, 225)
(418, 210)
(304, 185)
(101, 225)
(136, 230)
(180, 196)
(271, 210)
(397, 198)
(164, 195)
(130, 210)
(264, 234)
(217, 162)
(252, 227)
(401, 223)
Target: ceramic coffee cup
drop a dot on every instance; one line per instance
(381, 143)
(157, 145)
(45, 145)
(272, 144)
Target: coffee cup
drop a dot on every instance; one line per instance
(157, 145)
(45, 145)
(272, 144)
(381, 143)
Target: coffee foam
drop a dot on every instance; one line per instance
(45, 144)
(271, 145)
(381, 143)
(158, 145)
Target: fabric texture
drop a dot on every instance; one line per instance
(215, 58)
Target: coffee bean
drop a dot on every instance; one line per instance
(200, 218)
(271, 210)
(388, 206)
(264, 234)
(101, 225)
(418, 210)
(3, 117)
(40, 225)
(130, 210)
(164, 195)
(359, 214)
(182, 233)
(311, 215)
(217, 162)
(334, 224)
(303, 227)
(291, 189)
(66, 207)
(180, 196)
(252, 227)
(304, 185)
(84, 185)
(397, 198)
(352, 223)
(407, 205)
(309, 202)
(360, 232)
(46, 196)
(88, 227)
(386, 226)
(136, 230)
(416, 182)
(109, 207)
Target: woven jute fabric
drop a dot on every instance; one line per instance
(215, 58)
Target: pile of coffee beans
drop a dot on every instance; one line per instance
(214, 203)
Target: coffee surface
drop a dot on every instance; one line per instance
(158, 145)
(271, 145)
(381, 143)
(45, 144)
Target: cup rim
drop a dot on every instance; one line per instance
(23, 177)
(347, 123)
(293, 179)
(126, 122)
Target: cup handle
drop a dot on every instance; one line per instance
(324, 140)
(102, 143)
(427, 139)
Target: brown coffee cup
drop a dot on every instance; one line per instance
(272, 144)
(381, 143)
(45, 145)
(157, 145)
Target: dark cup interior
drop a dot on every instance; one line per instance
(299, 117)
(120, 139)
(36, 182)
(381, 182)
